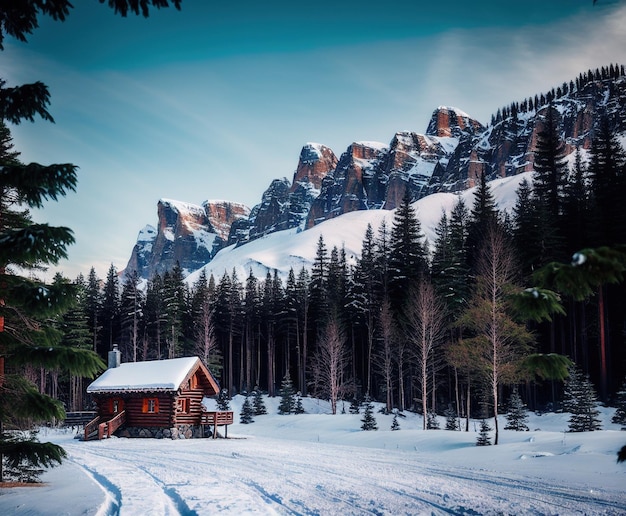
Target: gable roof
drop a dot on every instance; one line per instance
(153, 375)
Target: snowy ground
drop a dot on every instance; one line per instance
(316, 463)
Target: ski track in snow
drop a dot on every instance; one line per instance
(268, 476)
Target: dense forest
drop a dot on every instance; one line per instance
(492, 306)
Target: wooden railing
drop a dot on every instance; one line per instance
(104, 429)
(115, 423)
(219, 418)
(91, 427)
(222, 417)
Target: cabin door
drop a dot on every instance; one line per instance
(117, 405)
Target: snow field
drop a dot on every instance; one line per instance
(319, 464)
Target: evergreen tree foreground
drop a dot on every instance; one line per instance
(258, 403)
(287, 403)
(579, 399)
(27, 304)
(483, 436)
(517, 416)
(247, 411)
(368, 420)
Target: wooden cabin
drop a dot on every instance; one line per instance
(159, 399)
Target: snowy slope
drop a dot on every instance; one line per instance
(295, 249)
(317, 463)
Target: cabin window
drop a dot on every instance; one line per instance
(150, 405)
(194, 381)
(183, 405)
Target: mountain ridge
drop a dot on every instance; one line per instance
(451, 156)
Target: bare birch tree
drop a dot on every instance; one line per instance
(425, 317)
(385, 354)
(329, 365)
(206, 343)
(499, 342)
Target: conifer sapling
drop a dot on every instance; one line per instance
(247, 411)
(483, 435)
(258, 403)
(620, 414)
(517, 417)
(287, 396)
(579, 399)
(368, 420)
(394, 424)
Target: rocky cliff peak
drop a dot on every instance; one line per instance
(222, 214)
(186, 234)
(315, 163)
(347, 188)
(448, 122)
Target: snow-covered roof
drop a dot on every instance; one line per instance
(154, 375)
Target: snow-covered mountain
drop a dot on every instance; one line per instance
(282, 250)
(187, 234)
(370, 179)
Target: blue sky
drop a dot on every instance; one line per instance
(215, 101)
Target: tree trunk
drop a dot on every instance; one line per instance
(468, 408)
(603, 360)
(456, 392)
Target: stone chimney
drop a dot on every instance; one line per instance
(115, 357)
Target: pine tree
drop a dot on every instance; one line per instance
(452, 422)
(449, 268)
(75, 334)
(110, 314)
(229, 322)
(174, 296)
(223, 400)
(608, 186)
(258, 403)
(131, 310)
(93, 302)
(549, 181)
(355, 405)
(299, 408)
(28, 306)
(318, 286)
(528, 229)
(579, 399)
(27, 303)
(287, 403)
(247, 411)
(483, 436)
(365, 290)
(368, 420)
(407, 257)
(395, 425)
(432, 421)
(483, 217)
(516, 417)
(620, 413)
(155, 317)
(577, 207)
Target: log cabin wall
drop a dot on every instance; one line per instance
(138, 412)
(189, 407)
(149, 409)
